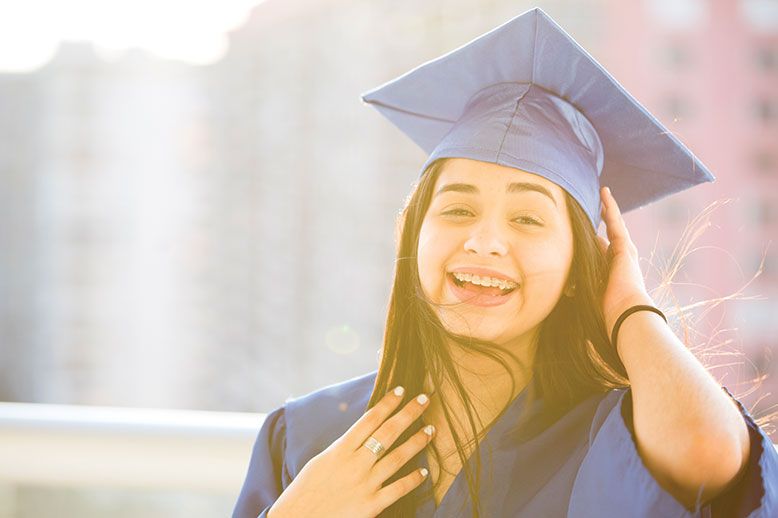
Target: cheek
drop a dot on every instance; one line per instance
(548, 264)
(425, 257)
(432, 251)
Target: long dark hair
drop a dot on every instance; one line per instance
(573, 360)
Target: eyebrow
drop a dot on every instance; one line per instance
(513, 187)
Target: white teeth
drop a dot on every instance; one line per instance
(485, 281)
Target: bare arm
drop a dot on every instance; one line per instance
(689, 433)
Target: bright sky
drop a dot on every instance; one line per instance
(187, 30)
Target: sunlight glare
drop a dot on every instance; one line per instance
(193, 32)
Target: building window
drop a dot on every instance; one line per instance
(679, 14)
(769, 266)
(766, 59)
(677, 108)
(764, 161)
(675, 57)
(763, 212)
(762, 15)
(673, 212)
(764, 110)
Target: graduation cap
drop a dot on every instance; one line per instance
(526, 95)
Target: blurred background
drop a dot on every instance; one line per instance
(197, 212)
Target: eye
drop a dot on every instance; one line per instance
(457, 212)
(528, 220)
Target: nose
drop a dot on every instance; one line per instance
(486, 240)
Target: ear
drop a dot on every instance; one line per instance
(570, 290)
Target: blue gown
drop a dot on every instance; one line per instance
(583, 465)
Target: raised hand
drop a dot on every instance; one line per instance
(626, 286)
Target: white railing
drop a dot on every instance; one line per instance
(61, 445)
(51, 445)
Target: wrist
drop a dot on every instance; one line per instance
(644, 310)
(639, 299)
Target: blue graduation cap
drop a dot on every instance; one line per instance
(526, 95)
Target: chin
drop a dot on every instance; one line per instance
(487, 329)
(458, 325)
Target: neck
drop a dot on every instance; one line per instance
(486, 382)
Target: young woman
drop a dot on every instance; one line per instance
(525, 370)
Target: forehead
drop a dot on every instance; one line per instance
(488, 176)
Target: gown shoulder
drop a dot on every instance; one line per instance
(316, 420)
(294, 433)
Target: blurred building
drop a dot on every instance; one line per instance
(95, 272)
(709, 71)
(221, 237)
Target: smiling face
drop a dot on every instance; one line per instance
(495, 249)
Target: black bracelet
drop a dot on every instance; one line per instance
(627, 313)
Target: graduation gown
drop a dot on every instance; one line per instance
(583, 465)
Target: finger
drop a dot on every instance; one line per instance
(390, 430)
(372, 419)
(614, 222)
(603, 244)
(397, 458)
(398, 489)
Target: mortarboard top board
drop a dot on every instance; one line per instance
(526, 95)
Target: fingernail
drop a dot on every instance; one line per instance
(399, 391)
(422, 399)
(429, 430)
(424, 472)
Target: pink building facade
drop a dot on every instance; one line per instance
(709, 71)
